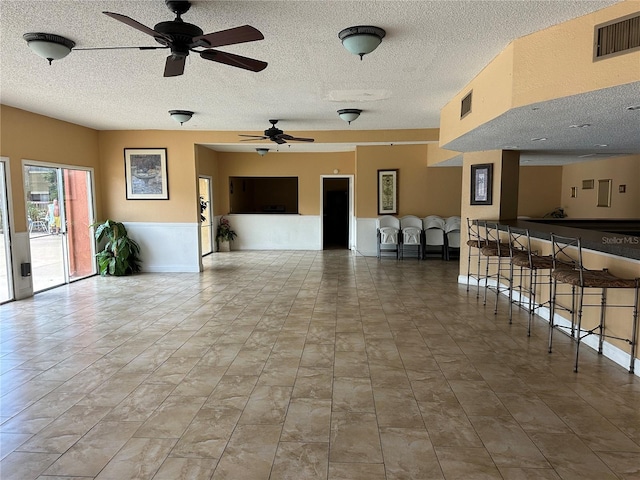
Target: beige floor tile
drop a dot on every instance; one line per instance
(355, 438)
(571, 458)
(138, 458)
(396, 408)
(186, 469)
(267, 405)
(465, 462)
(91, 453)
(508, 443)
(23, 465)
(308, 420)
(356, 471)
(302, 364)
(300, 461)
(408, 453)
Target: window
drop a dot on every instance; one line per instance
(263, 194)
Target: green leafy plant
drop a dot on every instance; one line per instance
(121, 254)
(224, 232)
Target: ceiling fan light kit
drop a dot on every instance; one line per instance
(181, 116)
(362, 39)
(262, 151)
(349, 114)
(49, 46)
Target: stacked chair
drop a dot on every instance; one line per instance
(411, 228)
(388, 234)
(452, 236)
(568, 269)
(434, 235)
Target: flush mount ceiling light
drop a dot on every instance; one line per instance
(361, 39)
(262, 151)
(49, 46)
(349, 114)
(181, 116)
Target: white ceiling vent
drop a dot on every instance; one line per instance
(617, 36)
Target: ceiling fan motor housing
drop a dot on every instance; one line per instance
(180, 32)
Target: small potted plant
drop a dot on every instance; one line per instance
(224, 235)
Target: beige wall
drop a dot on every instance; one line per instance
(27, 136)
(308, 167)
(622, 170)
(539, 191)
(182, 205)
(422, 191)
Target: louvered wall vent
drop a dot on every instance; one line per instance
(621, 35)
(465, 105)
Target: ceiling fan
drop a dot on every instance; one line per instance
(275, 135)
(182, 37)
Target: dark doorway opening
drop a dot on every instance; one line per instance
(335, 226)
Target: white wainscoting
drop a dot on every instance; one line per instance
(366, 230)
(275, 232)
(167, 247)
(21, 253)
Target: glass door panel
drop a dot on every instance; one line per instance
(78, 217)
(6, 278)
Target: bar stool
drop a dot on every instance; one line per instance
(523, 257)
(495, 251)
(475, 242)
(570, 270)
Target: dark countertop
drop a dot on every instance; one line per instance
(615, 237)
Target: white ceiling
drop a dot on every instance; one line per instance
(431, 51)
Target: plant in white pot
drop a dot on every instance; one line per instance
(224, 235)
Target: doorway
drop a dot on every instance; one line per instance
(59, 217)
(335, 213)
(6, 270)
(206, 215)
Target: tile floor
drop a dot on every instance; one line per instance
(301, 365)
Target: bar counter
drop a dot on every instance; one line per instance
(615, 237)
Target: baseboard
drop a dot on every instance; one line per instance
(609, 350)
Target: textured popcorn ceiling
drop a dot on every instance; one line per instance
(432, 49)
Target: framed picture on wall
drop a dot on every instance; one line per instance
(481, 184)
(145, 171)
(387, 192)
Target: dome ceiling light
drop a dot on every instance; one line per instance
(262, 151)
(362, 39)
(49, 46)
(349, 114)
(181, 116)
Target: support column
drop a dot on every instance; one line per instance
(504, 202)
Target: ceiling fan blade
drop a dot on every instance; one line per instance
(174, 66)
(135, 24)
(296, 139)
(279, 140)
(252, 139)
(234, 60)
(232, 36)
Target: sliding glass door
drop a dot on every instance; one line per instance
(60, 212)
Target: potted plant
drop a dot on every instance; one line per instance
(224, 235)
(121, 254)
